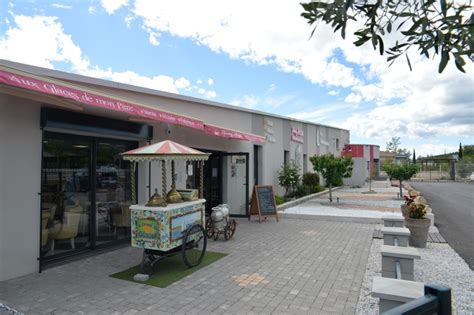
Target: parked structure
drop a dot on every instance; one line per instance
(63, 182)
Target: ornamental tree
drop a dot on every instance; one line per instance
(333, 169)
(443, 28)
(401, 172)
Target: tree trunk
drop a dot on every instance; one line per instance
(330, 192)
(401, 193)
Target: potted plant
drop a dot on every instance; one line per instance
(418, 224)
(412, 195)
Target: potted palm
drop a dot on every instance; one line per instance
(418, 224)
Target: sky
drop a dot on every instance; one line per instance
(253, 54)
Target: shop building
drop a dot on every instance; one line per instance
(366, 159)
(64, 189)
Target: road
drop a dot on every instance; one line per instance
(453, 206)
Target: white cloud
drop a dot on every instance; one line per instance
(323, 113)
(182, 83)
(199, 82)
(92, 10)
(247, 101)
(210, 81)
(353, 98)
(252, 35)
(111, 6)
(434, 149)
(61, 6)
(41, 41)
(211, 94)
(271, 89)
(153, 38)
(417, 104)
(267, 102)
(128, 20)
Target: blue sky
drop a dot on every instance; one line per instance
(260, 58)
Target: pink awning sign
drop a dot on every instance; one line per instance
(96, 100)
(231, 134)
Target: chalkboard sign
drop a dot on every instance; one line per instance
(263, 202)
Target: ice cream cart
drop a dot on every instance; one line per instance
(168, 225)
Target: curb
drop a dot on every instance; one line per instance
(301, 200)
(330, 218)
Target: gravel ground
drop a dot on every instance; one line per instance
(439, 264)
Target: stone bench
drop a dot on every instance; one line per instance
(393, 292)
(393, 221)
(405, 256)
(400, 233)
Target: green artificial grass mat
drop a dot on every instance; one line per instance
(168, 270)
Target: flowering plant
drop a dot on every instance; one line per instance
(408, 199)
(416, 210)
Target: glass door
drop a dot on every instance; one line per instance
(235, 183)
(112, 191)
(65, 193)
(85, 194)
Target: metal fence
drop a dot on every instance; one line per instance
(437, 300)
(464, 170)
(444, 171)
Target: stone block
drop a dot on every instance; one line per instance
(389, 268)
(400, 233)
(140, 277)
(393, 292)
(402, 252)
(404, 255)
(389, 240)
(431, 217)
(392, 221)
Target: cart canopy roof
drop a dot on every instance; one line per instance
(165, 150)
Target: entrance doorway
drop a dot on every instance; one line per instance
(85, 194)
(226, 180)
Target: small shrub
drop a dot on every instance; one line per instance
(280, 199)
(310, 179)
(302, 191)
(318, 188)
(289, 177)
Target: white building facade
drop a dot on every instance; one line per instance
(64, 189)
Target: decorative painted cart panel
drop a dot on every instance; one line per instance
(162, 228)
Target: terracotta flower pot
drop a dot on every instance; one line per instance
(419, 229)
(404, 209)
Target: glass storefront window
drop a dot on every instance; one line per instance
(69, 220)
(113, 191)
(65, 193)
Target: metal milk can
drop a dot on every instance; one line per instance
(220, 216)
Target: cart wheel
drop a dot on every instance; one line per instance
(216, 235)
(230, 229)
(194, 245)
(209, 228)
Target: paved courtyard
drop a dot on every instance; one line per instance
(379, 201)
(294, 266)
